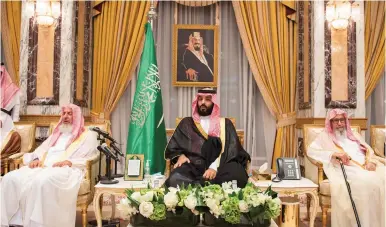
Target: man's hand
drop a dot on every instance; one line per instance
(210, 174)
(370, 166)
(191, 74)
(34, 164)
(181, 160)
(61, 164)
(342, 156)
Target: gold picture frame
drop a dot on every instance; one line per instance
(195, 55)
(140, 157)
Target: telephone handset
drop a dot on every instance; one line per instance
(287, 169)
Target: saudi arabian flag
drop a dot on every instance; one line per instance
(147, 133)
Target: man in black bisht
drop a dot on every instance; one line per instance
(205, 147)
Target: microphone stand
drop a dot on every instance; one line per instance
(101, 141)
(116, 175)
(109, 179)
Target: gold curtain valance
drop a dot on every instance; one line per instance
(195, 3)
(291, 7)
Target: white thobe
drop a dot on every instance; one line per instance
(205, 124)
(46, 197)
(367, 187)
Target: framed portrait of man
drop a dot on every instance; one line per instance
(195, 55)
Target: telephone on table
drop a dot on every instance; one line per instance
(287, 169)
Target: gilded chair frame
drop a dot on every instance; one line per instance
(8, 163)
(373, 141)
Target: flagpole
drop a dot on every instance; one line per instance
(152, 14)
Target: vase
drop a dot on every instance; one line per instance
(211, 220)
(182, 218)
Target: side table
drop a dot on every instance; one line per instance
(113, 189)
(292, 188)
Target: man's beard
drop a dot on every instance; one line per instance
(340, 135)
(206, 112)
(197, 47)
(65, 128)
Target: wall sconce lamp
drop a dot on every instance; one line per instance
(338, 13)
(45, 12)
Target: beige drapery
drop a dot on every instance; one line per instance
(374, 44)
(269, 37)
(118, 41)
(10, 36)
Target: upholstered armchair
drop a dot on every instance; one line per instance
(26, 131)
(240, 134)
(314, 169)
(378, 138)
(86, 190)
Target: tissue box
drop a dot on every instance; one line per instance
(266, 175)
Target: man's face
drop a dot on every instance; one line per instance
(339, 123)
(205, 105)
(197, 44)
(67, 115)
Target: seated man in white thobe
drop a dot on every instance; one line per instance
(44, 192)
(365, 173)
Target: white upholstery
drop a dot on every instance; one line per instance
(378, 137)
(27, 133)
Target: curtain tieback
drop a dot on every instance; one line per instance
(286, 119)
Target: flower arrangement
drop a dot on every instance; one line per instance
(225, 202)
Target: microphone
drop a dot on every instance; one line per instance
(107, 152)
(116, 149)
(103, 133)
(114, 156)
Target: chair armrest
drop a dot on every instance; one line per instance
(380, 159)
(377, 153)
(313, 170)
(16, 156)
(167, 168)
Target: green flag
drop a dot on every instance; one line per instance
(147, 133)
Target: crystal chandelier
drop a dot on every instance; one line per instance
(45, 12)
(338, 13)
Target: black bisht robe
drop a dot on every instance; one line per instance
(188, 140)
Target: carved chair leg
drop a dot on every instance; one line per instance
(84, 215)
(308, 206)
(324, 216)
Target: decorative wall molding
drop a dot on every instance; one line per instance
(301, 61)
(351, 103)
(32, 65)
(84, 43)
(45, 120)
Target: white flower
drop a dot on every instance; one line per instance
(146, 209)
(190, 202)
(125, 209)
(137, 196)
(243, 206)
(148, 197)
(258, 199)
(173, 189)
(214, 207)
(226, 185)
(124, 201)
(171, 200)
